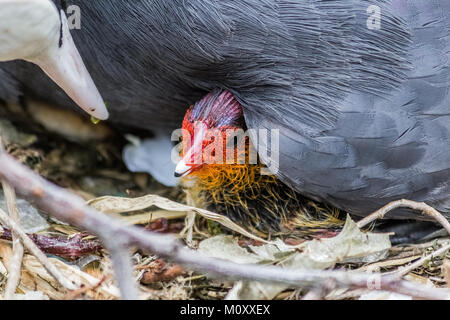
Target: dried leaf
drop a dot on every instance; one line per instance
(78, 277)
(226, 247)
(3, 270)
(152, 216)
(116, 205)
(5, 254)
(389, 263)
(419, 279)
(350, 244)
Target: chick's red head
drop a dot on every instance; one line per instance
(210, 129)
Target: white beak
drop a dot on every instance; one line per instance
(192, 159)
(182, 169)
(65, 66)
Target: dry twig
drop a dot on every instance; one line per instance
(418, 206)
(405, 270)
(72, 295)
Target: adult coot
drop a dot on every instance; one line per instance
(35, 31)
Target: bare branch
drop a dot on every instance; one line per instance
(72, 295)
(418, 206)
(405, 270)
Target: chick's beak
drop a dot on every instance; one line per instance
(192, 159)
(65, 66)
(182, 169)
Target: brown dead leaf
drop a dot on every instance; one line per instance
(165, 275)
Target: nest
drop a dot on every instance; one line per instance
(240, 192)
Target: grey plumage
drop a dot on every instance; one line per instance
(363, 113)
